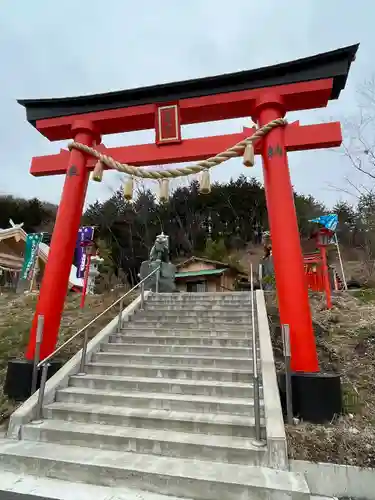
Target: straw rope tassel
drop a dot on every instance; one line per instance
(248, 156)
(205, 183)
(164, 190)
(128, 188)
(97, 173)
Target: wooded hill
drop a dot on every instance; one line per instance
(234, 214)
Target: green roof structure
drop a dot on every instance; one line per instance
(203, 272)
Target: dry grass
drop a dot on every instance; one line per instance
(16, 313)
(346, 345)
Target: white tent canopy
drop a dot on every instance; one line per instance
(19, 234)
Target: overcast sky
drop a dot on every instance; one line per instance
(53, 49)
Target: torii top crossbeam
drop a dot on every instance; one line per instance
(201, 100)
(264, 94)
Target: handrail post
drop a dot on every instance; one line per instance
(157, 280)
(39, 405)
(261, 276)
(84, 353)
(119, 322)
(285, 330)
(142, 306)
(258, 435)
(39, 338)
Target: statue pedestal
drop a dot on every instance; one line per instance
(19, 376)
(167, 276)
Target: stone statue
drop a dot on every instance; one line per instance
(160, 250)
(94, 272)
(159, 257)
(268, 271)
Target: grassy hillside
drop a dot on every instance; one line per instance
(16, 313)
(346, 345)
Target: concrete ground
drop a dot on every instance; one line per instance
(8, 495)
(27, 487)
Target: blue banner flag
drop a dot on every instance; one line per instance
(84, 234)
(329, 221)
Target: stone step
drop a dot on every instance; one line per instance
(181, 477)
(227, 449)
(129, 348)
(200, 302)
(166, 340)
(225, 293)
(244, 363)
(205, 298)
(183, 294)
(204, 317)
(168, 326)
(182, 320)
(157, 401)
(199, 307)
(234, 333)
(222, 424)
(197, 313)
(172, 372)
(163, 385)
(196, 296)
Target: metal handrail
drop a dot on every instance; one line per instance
(44, 364)
(60, 348)
(258, 438)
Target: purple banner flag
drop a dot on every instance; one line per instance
(84, 234)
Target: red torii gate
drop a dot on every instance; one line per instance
(263, 94)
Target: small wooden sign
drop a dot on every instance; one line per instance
(167, 126)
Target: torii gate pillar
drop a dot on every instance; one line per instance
(286, 245)
(56, 275)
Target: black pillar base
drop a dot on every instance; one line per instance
(316, 397)
(19, 375)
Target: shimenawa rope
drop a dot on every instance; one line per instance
(238, 149)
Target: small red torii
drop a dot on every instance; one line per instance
(264, 95)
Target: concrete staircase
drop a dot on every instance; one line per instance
(166, 405)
